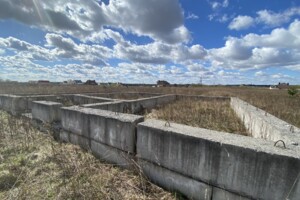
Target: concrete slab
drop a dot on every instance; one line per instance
(220, 194)
(114, 129)
(264, 125)
(64, 136)
(173, 181)
(80, 99)
(247, 166)
(111, 154)
(46, 111)
(79, 140)
(75, 120)
(134, 106)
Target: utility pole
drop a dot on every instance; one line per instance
(200, 80)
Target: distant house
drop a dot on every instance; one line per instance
(283, 85)
(78, 82)
(43, 81)
(90, 82)
(162, 83)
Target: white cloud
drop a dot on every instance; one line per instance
(260, 74)
(265, 17)
(216, 5)
(234, 49)
(192, 16)
(274, 19)
(158, 53)
(280, 48)
(241, 22)
(160, 20)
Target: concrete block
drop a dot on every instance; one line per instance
(79, 140)
(173, 181)
(80, 99)
(201, 97)
(46, 111)
(220, 194)
(247, 166)
(264, 125)
(31, 98)
(134, 106)
(13, 104)
(111, 154)
(75, 120)
(114, 129)
(64, 136)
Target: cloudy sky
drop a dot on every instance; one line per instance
(142, 41)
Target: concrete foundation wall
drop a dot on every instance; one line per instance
(32, 98)
(114, 129)
(13, 104)
(79, 99)
(241, 165)
(199, 163)
(46, 111)
(134, 106)
(264, 125)
(200, 97)
(126, 95)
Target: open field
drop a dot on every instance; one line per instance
(34, 166)
(276, 102)
(214, 115)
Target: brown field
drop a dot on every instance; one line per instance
(276, 102)
(214, 115)
(34, 166)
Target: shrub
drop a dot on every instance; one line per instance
(292, 91)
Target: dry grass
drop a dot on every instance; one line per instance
(34, 166)
(215, 115)
(276, 102)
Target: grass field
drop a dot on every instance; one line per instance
(276, 102)
(214, 115)
(34, 166)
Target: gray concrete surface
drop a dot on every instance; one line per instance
(114, 129)
(264, 125)
(74, 119)
(126, 95)
(220, 194)
(111, 154)
(79, 140)
(134, 106)
(64, 136)
(46, 111)
(13, 104)
(202, 97)
(173, 181)
(80, 99)
(243, 165)
(31, 98)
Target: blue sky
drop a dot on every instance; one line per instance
(142, 41)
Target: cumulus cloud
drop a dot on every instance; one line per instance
(273, 19)
(265, 17)
(234, 49)
(280, 48)
(160, 20)
(158, 53)
(241, 22)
